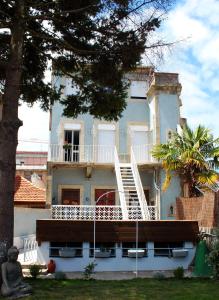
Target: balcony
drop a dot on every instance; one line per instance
(96, 154)
(99, 212)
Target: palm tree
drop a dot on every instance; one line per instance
(193, 155)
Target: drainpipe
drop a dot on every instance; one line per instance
(157, 196)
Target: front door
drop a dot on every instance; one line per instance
(71, 145)
(105, 197)
(71, 196)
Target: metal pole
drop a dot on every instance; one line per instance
(94, 230)
(136, 246)
(101, 196)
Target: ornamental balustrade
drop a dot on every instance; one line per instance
(98, 212)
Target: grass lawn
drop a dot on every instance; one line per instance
(151, 289)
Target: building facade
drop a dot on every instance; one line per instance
(82, 151)
(101, 171)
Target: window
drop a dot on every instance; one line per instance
(138, 89)
(106, 138)
(132, 245)
(71, 145)
(56, 247)
(103, 248)
(165, 249)
(71, 196)
(70, 88)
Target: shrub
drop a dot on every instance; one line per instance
(35, 271)
(89, 270)
(213, 256)
(159, 276)
(60, 276)
(178, 273)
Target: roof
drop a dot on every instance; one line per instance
(25, 191)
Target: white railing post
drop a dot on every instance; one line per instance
(120, 186)
(139, 188)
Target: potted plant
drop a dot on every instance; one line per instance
(102, 252)
(133, 252)
(67, 252)
(67, 146)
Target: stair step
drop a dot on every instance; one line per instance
(128, 181)
(28, 265)
(125, 165)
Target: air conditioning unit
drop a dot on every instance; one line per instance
(180, 252)
(132, 253)
(67, 252)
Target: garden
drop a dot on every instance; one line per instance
(153, 288)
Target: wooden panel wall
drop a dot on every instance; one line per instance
(116, 231)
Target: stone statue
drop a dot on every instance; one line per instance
(13, 285)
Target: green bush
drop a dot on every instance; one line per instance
(213, 256)
(159, 276)
(89, 270)
(178, 273)
(60, 276)
(35, 271)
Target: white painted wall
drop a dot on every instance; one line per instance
(118, 263)
(25, 220)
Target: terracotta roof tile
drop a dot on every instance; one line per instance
(25, 191)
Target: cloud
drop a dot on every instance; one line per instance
(196, 59)
(34, 133)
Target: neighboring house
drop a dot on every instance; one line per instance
(28, 195)
(29, 205)
(32, 165)
(102, 179)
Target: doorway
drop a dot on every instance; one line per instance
(71, 145)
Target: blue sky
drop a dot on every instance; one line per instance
(196, 59)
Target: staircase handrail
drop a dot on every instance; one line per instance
(120, 186)
(139, 188)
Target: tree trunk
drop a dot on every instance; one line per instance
(9, 125)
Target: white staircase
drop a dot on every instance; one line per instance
(130, 191)
(132, 197)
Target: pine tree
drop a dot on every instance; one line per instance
(94, 42)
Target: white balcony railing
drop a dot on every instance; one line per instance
(81, 153)
(98, 212)
(95, 154)
(142, 153)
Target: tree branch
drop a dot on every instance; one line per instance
(62, 13)
(49, 36)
